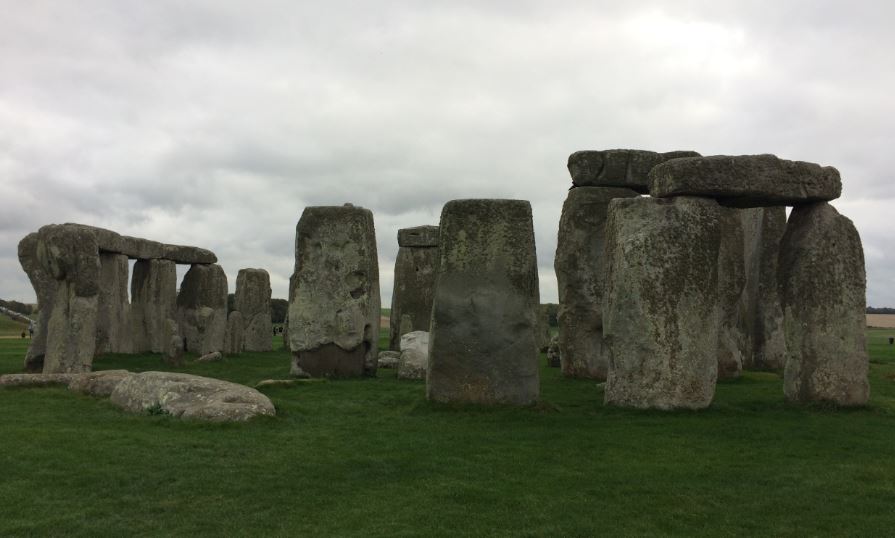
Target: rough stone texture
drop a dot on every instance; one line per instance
(823, 287)
(414, 287)
(100, 384)
(414, 355)
(191, 397)
(766, 344)
(543, 328)
(661, 305)
(113, 333)
(286, 332)
(253, 302)
(419, 236)
(746, 180)
(214, 356)
(732, 336)
(579, 264)
(554, 355)
(153, 298)
(483, 342)
(628, 168)
(174, 350)
(71, 256)
(45, 288)
(202, 308)
(334, 304)
(35, 380)
(235, 333)
(188, 255)
(389, 359)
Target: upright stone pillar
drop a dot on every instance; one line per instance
(334, 304)
(732, 335)
(70, 254)
(153, 298)
(253, 302)
(483, 343)
(579, 266)
(414, 282)
(661, 310)
(202, 308)
(763, 229)
(45, 288)
(823, 286)
(235, 343)
(112, 331)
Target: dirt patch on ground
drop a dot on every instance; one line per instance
(884, 321)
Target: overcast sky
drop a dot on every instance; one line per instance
(215, 123)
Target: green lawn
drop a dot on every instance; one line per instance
(11, 327)
(373, 458)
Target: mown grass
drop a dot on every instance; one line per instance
(11, 327)
(373, 458)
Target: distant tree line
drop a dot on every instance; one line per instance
(884, 310)
(15, 306)
(552, 310)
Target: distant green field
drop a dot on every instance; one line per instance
(371, 457)
(11, 327)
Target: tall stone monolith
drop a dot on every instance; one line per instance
(153, 303)
(71, 256)
(661, 311)
(235, 343)
(579, 266)
(202, 308)
(732, 335)
(414, 286)
(334, 303)
(113, 333)
(483, 342)
(823, 288)
(253, 302)
(45, 288)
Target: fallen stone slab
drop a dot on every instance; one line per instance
(190, 397)
(746, 180)
(389, 359)
(214, 356)
(627, 168)
(100, 384)
(288, 382)
(35, 380)
(414, 355)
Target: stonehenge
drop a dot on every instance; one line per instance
(625, 168)
(334, 303)
(202, 308)
(483, 339)
(253, 302)
(80, 276)
(414, 282)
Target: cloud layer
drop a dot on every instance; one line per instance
(216, 123)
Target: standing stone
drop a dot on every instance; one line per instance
(286, 332)
(766, 346)
(580, 266)
(71, 256)
(45, 288)
(823, 286)
(174, 351)
(483, 343)
(554, 358)
(660, 308)
(732, 335)
(112, 318)
(334, 304)
(202, 308)
(543, 327)
(253, 302)
(414, 282)
(153, 298)
(235, 333)
(414, 358)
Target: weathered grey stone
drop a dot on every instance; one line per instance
(483, 343)
(334, 304)
(661, 305)
(414, 282)
(766, 345)
(627, 168)
(746, 180)
(71, 256)
(580, 266)
(214, 356)
(419, 236)
(36, 380)
(253, 302)
(113, 311)
(100, 384)
(414, 358)
(188, 255)
(732, 337)
(45, 288)
(267, 383)
(190, 397)
(174, 350)
(286, 332)
(823, 287)
(153, 298)
(554, 353)
(235, 333)
(389, 359)
(202, 308)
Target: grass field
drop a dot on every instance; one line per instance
(11, 327)
(373, 458)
